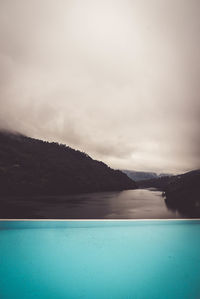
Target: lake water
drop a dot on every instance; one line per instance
(129, 204)
(100, 259)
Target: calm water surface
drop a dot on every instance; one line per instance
(132, 204)
(129, 204)
(100, 259)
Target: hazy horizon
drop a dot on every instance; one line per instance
(118, 80)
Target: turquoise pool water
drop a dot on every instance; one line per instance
(100, 259)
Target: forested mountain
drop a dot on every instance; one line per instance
(142, 175)
(139, 175)
(158, 183)
(34, 167)
(182, 192)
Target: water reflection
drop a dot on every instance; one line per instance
(129, 204)
(188, 209)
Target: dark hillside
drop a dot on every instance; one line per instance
(33, 167)
(158, 183)
(182, 192)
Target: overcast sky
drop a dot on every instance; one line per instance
(118, 79)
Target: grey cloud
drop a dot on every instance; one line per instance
(116, 79)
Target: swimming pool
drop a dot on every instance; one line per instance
(100, 259)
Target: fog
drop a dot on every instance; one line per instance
(117, 79)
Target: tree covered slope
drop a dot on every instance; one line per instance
(182, 192)
(33, 167)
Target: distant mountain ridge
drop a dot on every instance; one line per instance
(34, 167)
(142, 175)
